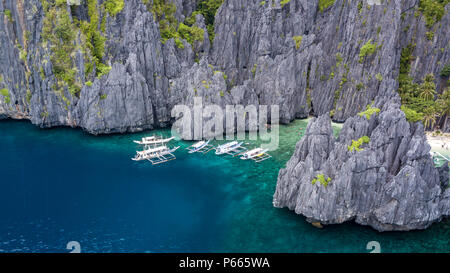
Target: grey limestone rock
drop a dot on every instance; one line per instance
(391, 184)
(255, 47)
(294, 55)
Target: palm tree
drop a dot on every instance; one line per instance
(443, 105)
(429, 118)
(428, 88)
(444, 102)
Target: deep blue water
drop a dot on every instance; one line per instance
(62, 185)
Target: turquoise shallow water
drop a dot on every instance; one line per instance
(62, 185)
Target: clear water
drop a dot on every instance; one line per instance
(62, 185)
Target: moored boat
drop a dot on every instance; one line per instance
(198, 147)
(153, 140)
(253, 153)
(148, 153)
(228, 147)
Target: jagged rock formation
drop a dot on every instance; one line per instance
(291, 54)
(109, 70)
(389, 183)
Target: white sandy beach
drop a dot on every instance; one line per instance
(439, 143)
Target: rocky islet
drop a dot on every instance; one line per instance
(307, 57)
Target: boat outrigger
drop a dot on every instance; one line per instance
(437, 157)
(155, 150)
(146, 139)
(146, 154)
(200, 147)
(257, 155)
(230, 148)
(153, 141)
(156, 155)
(163, 156)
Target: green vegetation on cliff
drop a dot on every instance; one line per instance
(433, 10)
(114, 6)
(59, 34)
(208, 8)
(8, 15)
(324, 4)
(367, 49)
(298, 41)
(5, 93)
(284, 2)
(421, 101)
(321, 179)
(445, 72)
(164, 13)
(369, 112)
(191, 34)
(411, 115)
(66, 36)
(169, 27)
(356, 144)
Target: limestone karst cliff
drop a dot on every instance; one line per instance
(108, 66)
(116, 66)
(378, 172)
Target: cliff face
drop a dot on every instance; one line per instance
(298, 55)
(112, 66)
(320, 71)
(431, 44)
(388, 181)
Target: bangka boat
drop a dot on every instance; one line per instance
(437, 156)
(146, 139)
(148, 153)
(163, 156)
(153, 140)
(155, 150)
(228, 147)
(261, 157)
(255, 154)
(201, 146)
(237, 150)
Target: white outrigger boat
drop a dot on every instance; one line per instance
(200, 147)
(257, 155)
(146, 154)
(230, 148)
(153, 141)
(145, 140)
(163, 156)
(155, 150)
(156, 155)
(437, 156)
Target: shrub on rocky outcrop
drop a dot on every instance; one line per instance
(367, 49)
(369, 112)
(356, 144)
(321, 179)
(298, 41)
(5, 93)
(324, 4)
(411, 115)
(433, 10)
